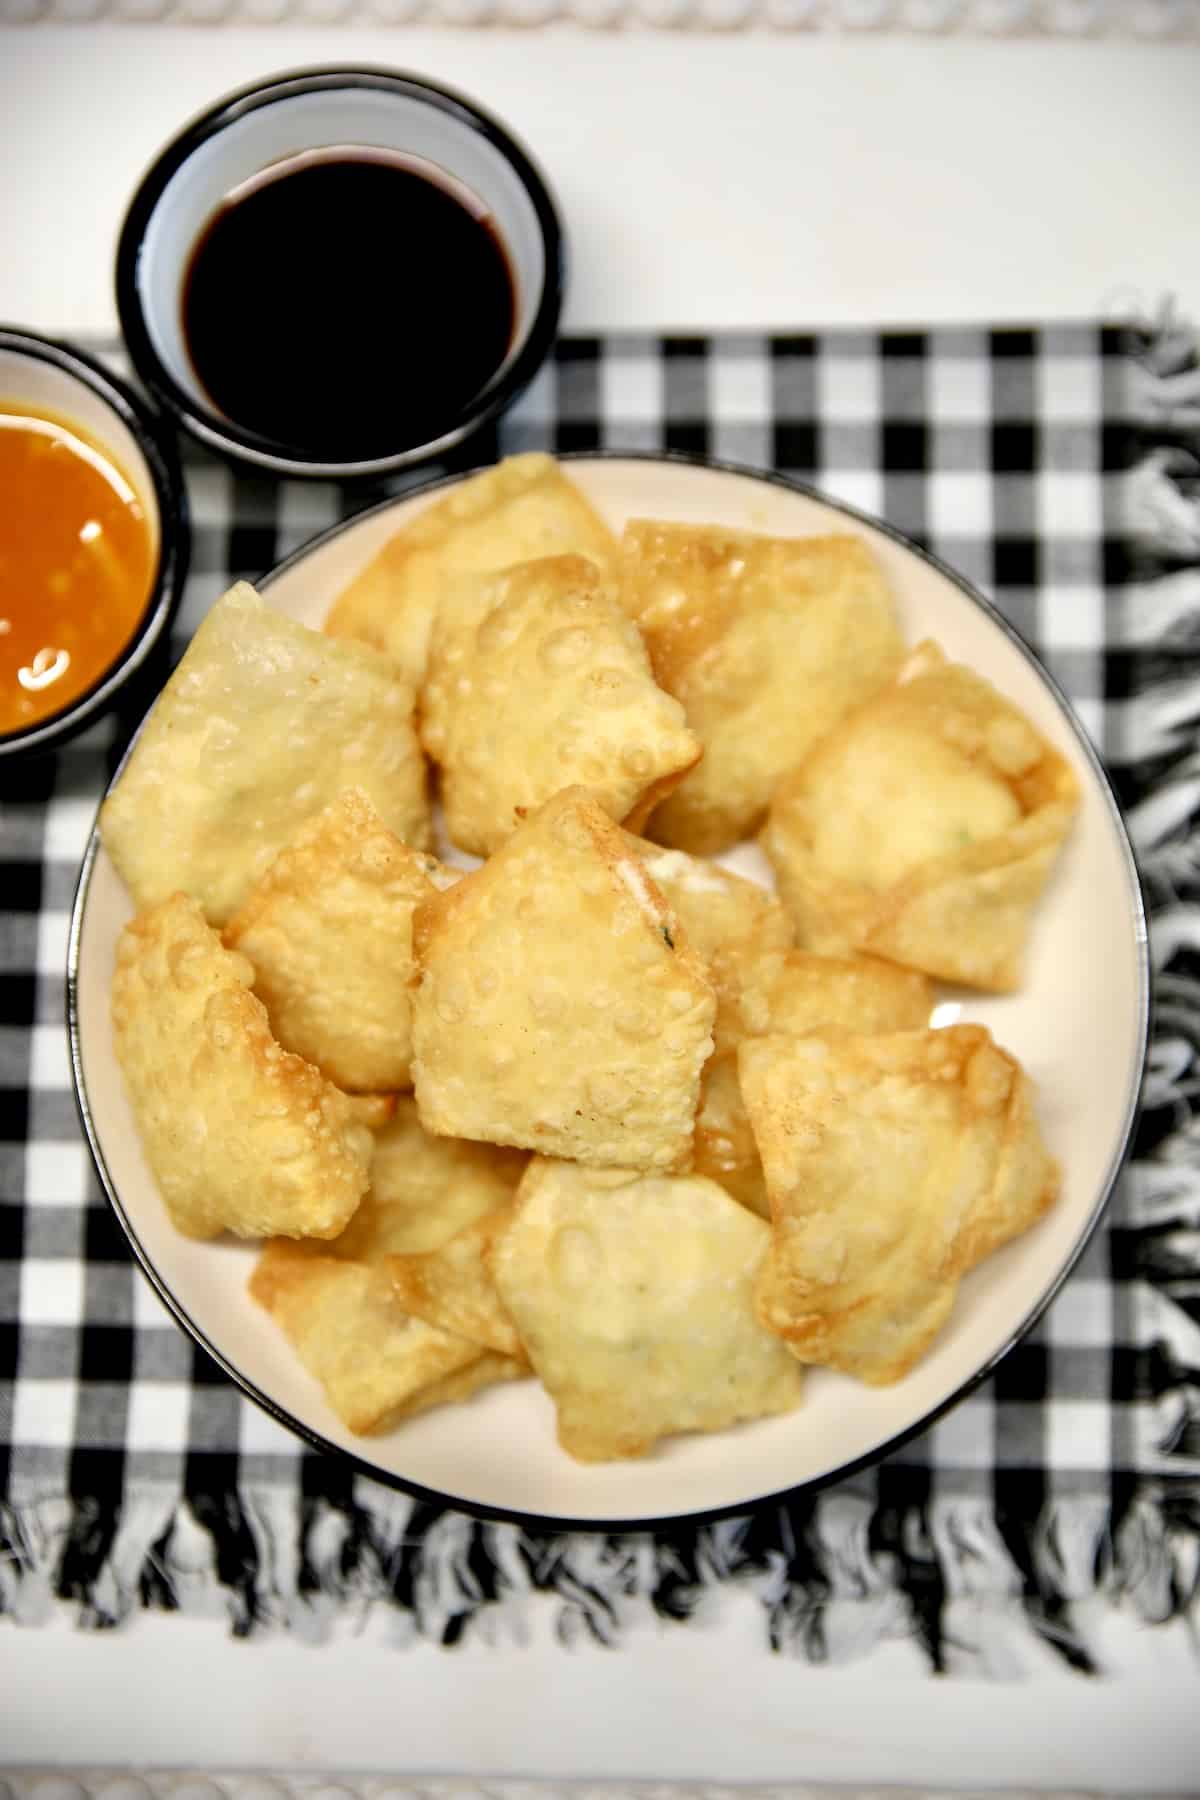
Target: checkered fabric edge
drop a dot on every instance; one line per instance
(1055, 467)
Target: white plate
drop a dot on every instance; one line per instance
(1078, 1026)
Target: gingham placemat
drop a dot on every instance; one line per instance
(1051, 466)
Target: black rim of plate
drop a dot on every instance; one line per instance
(225, 435)
(156, 443)
(811, 1484)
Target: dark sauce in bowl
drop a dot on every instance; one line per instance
(348, 303)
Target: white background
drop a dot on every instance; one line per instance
(693, 1704)
(706, 179)
(752, 181)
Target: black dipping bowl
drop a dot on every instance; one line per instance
(290, 119)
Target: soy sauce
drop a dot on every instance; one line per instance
(348, 303)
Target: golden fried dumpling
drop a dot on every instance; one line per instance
(425, 1189)
(241, 1136)
(740, 930)
(375, 1362)
(798, 993)
(767, 642)
(560, 1008)
(538, 680)
(262, 724)
(328, 927)
(924, 827)
(378, 1361)
(724, 1148)
(525, 507)
(793, 994)
(632, 1296)
(452, 1286)
(894, 1164)
(373, 1110)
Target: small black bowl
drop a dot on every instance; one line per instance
(292, 116)
(55, 377)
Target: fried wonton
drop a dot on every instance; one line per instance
(376, 1363)
(373, 1110)
(924, 827)
(794, 994)
(739, 929)
(767, 642)
(538, 680)
(328, 927)
(488, 1370)
(338, 1303)
(262, 724)
(799, 993)
(633, 1298)
(724, 1148)
(452, 1287)
(526, 507)
(894, 1164)
(425, 1189)
(560, 1008)
(241, 1135)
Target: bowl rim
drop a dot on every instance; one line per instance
(698, 1516)
(224, 435)
(156, 441)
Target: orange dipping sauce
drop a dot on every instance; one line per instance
(77, 558)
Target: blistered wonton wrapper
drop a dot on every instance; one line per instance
(538, 680)
(262, 724)
(373, 1110)
(739, 929)
(338, 1304)
(633, 1297)
(372, 1358)
(425, 1189)
(452, 1286)
(801, 993)
(560, 1008)
(924, 827)
(894, 1164)
(328, 928)
(767, 642)
(377, 1364)
(241, 1135)
(526, 507)
(795, 994)
(724, 1146)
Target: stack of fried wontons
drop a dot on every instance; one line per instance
(600, 1110)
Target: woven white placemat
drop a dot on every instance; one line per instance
(1132, 20)
(229, 1784)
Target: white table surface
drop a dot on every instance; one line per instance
(753, 181)
(706, 180)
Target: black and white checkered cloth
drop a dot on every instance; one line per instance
(1052, 467)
